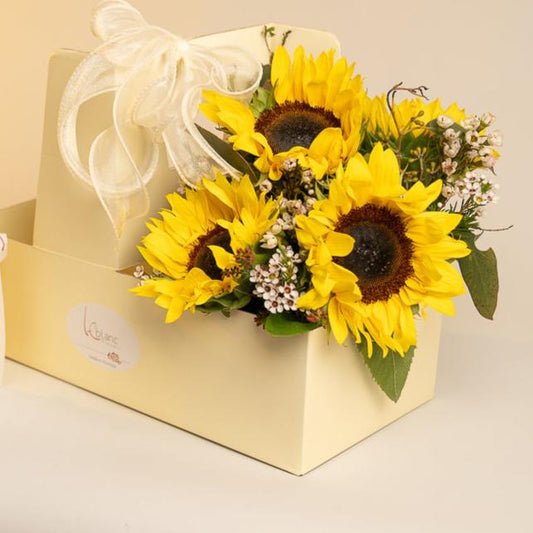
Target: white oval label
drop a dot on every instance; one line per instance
(102, 336)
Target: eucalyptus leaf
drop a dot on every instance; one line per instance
(480, 272)
(319, 194)
(263, 100)
(265, 79)
(261, 258)
(285, 324)
(389, 372)
(212, 307)
(226, 151)
(234, 300)
(226, 303)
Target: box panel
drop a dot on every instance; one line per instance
(291, 402)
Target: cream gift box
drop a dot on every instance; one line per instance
(290, 402)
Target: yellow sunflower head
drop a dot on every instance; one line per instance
(196, 242)
(374, 251)
(380, 123)
(315, 117)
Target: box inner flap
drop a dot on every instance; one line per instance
(17, 221)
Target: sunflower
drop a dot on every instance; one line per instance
(194, 244)
(315, 117)
(379, 121)
(375, 252)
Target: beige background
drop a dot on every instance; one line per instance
(71, 461)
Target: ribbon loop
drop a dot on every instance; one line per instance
(157, 79)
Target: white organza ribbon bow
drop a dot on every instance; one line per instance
(3, 253)
(157, 79)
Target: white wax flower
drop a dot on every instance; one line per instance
(308, 176)
(449, 166)
(448, 191)
(472, 138)
(309, 202)
(452, 149)
(444, 121)
(450, 134)
(488, 118)
(290, 164)
(495, 138)
(276, 228)
(471, 123)
(269, 241)
(489, 161)
(265, 186)
(472, 154)
(487, 157)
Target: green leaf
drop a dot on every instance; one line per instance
(319, 194)
(226, 303)
(226, 151)
(262, 100)
(261, 258)
(480, 272)
(284, 324)
(265, 79)
(390, 373)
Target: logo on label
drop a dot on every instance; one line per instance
(103, 336)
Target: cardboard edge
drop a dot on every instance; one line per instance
(17, 221)
(277, 25)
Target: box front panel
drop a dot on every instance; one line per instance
(343, 403)
(223, 379)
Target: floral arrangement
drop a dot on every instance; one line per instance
(348, 215)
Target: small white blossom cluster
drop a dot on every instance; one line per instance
(180, 188)
(472, 135)
(308, 183)
(265, 186)
(452, 144)
(141, 275)
(475, 186)
(481, 143)
(293, 207)
(308, 186)
(289, 165)
(289, 208)
(275, 281)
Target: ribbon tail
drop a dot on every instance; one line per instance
(124, 158)
(190, 153)
(115, 178)
(94, 76)
(190, 162)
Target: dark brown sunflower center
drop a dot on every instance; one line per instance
(382, 253)
(202, 257)
(294, 124)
